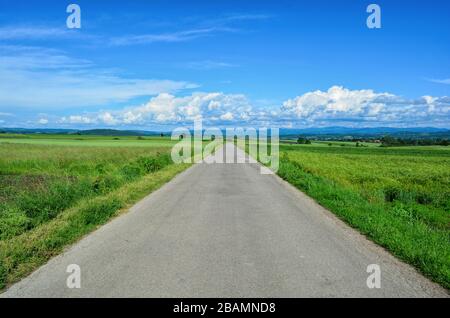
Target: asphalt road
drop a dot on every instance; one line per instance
(225, 230)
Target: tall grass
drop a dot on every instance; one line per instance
(23, 253)
(43, 184)
(39, 182)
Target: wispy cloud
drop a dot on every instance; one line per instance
(9, 33)
(440, 81)
(36, 33)
(203, 28)
(49, 79)
(31, 57)
(180, 36)
(209, 65)
(241, 17)
(235, 18)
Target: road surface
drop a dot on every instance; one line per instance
(225, 230)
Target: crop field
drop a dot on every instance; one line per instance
(399, 197)
(55, 189)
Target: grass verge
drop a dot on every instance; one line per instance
(22, 254)
(407, 237)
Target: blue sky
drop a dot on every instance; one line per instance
(155, 64)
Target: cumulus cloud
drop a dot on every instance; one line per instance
(227, 116)
(336, 106)
(78, 119)
(212, 108)
(337, 100)
(342, 105)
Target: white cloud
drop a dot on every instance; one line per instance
(169, 109)
(209, 65)
(206, 106)
(43, 121)
(227, 116)
(107, 118)
(49, 79)
(194, 28)
(336, 106)
(441, 81)
(203, 28)
(32, 32)
(179, 36)
(13, 57)
(342, 105)
(78, 119)
(334, 101)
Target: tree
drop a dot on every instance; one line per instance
(444, 142)
(303, 141)
(387, 141)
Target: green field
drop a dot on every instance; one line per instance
(86, 141)
(333, 143)
(399, 197)
(55, 189)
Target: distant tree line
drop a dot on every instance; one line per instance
(303, 141)
(389, 141)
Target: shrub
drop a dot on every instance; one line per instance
(153, 164)
(103, 184)
(391, 193)
(132, 171)
(13, 222)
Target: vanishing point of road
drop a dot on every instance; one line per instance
(225, 230)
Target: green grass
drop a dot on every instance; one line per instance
(318, 143)
(86, 141)
(344, 144)
(54, 190)
(398, 197)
